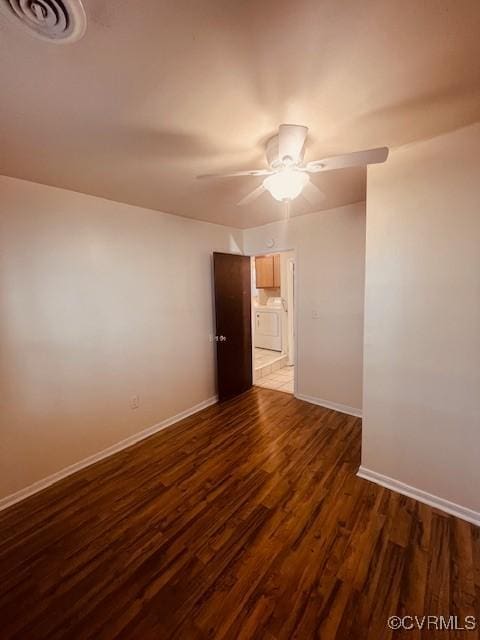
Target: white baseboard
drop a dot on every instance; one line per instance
(342, 408)
(422, 496)
(7, 501)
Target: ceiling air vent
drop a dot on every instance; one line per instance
(58, 21)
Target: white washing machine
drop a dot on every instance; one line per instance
(268, 327)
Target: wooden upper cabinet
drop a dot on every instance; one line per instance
(264, 272)
(267, 270)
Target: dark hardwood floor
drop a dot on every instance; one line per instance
(243, 521)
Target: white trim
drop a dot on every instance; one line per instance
(342, 408)
(422, 496)
(7, 501)
(291, 325)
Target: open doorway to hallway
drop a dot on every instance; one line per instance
(273, 326)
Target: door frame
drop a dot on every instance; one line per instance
(268, 251)
(290, 285)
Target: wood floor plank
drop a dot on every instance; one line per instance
(246, 520)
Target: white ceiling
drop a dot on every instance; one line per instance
(160, 91)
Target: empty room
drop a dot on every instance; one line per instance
(239, 319)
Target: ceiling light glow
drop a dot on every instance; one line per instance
(286, 184)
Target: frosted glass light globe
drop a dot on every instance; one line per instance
(286, 184)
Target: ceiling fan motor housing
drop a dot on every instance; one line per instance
(273, 159)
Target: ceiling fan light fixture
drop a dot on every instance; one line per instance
(286, 184)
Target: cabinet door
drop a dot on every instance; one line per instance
(264, 272)
(276, 270)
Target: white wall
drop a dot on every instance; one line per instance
(99, 301)
(422, 318)
(330, 263)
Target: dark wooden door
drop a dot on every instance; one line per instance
(231, 274)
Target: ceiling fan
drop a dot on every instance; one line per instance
(288, 177)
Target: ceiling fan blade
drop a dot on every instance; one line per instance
(251, 196)
(291, 138)
(251, 172)
(355, 159)
(312, 194)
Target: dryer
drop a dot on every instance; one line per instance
(268, 327)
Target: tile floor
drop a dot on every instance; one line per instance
(265, 356)
(280, 380)
(266, 362)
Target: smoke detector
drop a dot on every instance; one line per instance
(59, 21)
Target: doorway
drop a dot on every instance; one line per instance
(273, 320)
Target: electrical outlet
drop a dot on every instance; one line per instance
(134, 402)
(316, 315)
